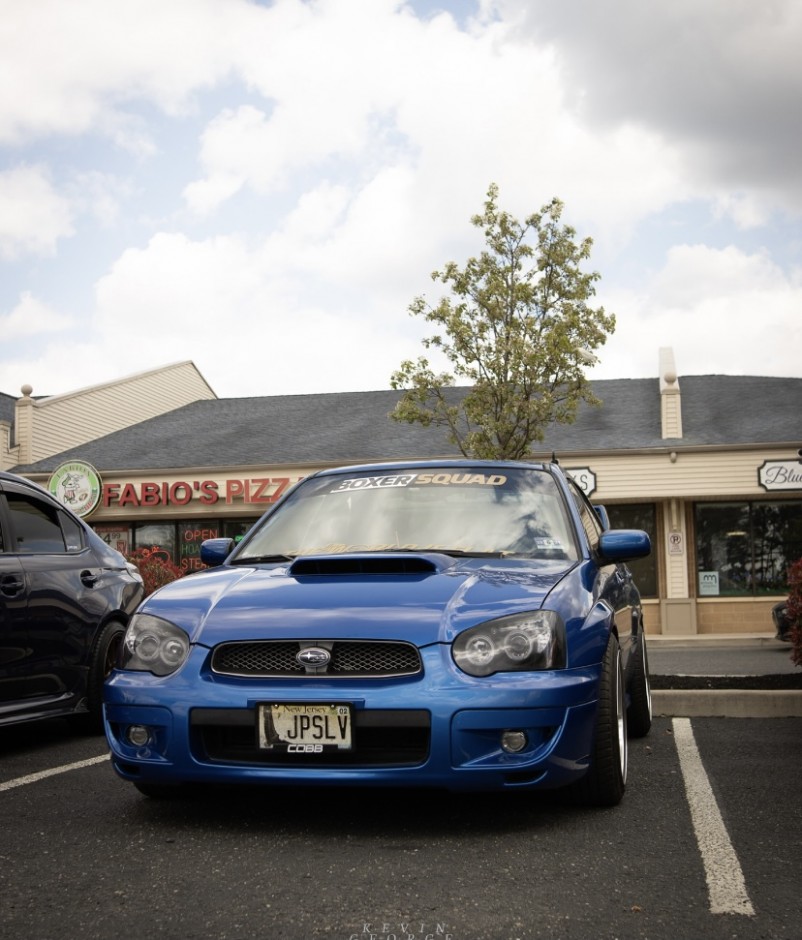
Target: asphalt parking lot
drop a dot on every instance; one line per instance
(706, 843)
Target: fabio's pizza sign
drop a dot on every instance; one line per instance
(152, 494)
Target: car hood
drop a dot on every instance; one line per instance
(422, 598)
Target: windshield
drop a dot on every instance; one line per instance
(454, 510)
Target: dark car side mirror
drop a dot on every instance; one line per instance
(622, 545)
(214, 552)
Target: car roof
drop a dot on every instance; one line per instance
(24, 481)
(41, 491)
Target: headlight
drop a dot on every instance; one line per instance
(154, 645)
(518, 643)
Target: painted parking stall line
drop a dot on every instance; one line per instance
(725, 881)
(51, 772)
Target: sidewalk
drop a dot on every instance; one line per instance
(728, 676)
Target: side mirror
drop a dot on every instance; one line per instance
(213, 552)
(622, 545)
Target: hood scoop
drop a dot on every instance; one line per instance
(372, 564)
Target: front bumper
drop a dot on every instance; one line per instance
(440, 729)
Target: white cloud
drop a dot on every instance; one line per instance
(66, 68)
(450, 110)
(699, 271)
(252, 326)
(747, 210)
(237, 148)
(98, 195)
(722, 79)
(723, 312)
(299, 167)
(332, 76)
(31, 317)
(33, 215)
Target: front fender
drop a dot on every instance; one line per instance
(591, 636)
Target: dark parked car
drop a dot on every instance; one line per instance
(466, 625)
(65, 601)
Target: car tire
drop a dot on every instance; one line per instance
(606, 779)
(639, 713)
(105, 656)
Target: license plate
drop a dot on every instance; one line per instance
(305, 728)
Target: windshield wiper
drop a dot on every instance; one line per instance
(454, 552)
(461, 553)
(260, 559)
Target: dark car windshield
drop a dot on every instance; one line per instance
(451, 509)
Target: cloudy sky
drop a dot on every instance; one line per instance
(264, 187)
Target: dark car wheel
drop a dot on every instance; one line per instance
(605, 781)
(105, 655)
(639, 713)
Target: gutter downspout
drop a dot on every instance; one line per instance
(678, 608)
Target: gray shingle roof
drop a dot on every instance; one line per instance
(7, 403)
(741, 409)
(346, 427)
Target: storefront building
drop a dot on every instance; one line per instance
(708, 465)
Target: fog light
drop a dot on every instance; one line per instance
(513, 741)
(138, 735)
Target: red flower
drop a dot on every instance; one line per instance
(156, 567)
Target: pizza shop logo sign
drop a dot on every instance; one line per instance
(77, 486)
(257, 491)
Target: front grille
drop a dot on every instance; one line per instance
(382, 737)
(376, 659)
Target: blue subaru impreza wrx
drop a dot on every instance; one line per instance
(464, 624)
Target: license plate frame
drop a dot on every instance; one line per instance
(305, 727)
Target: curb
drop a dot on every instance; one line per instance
(727, 703)
(713, 640)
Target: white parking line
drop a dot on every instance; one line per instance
(33, 778)
(725, 881)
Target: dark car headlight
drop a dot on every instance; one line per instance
(154, 645)
(517, 643)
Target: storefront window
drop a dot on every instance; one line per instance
(639, 516)
(157, 535)
(235, 528)
(117, 536)
(179, 541)
(190, 536)
(745, 549)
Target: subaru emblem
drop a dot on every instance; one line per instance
(313, 656)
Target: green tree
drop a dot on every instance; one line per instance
(517, 330)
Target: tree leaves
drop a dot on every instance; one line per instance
(516, 329)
